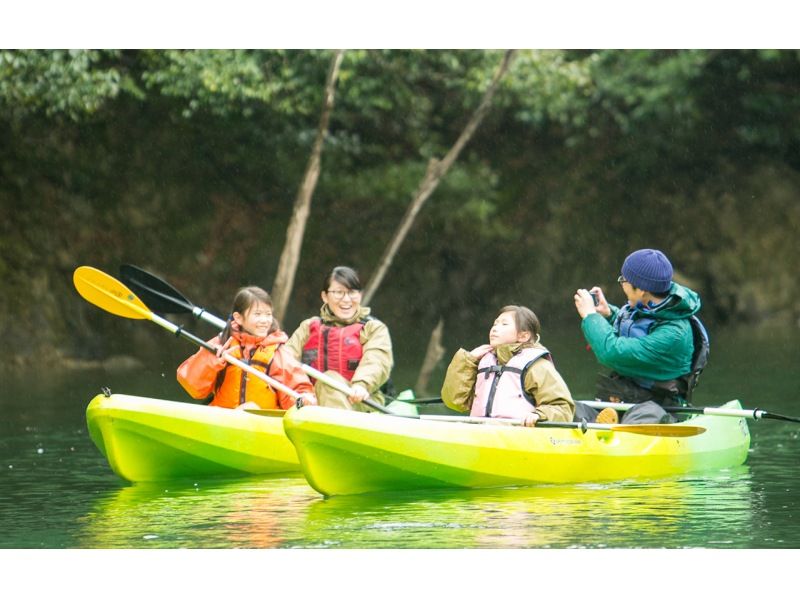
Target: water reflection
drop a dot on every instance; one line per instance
(251, 513)
(285, 512)
(669, 513)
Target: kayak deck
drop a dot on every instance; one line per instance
(344, 452)
(147, 439)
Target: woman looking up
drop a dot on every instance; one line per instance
(512, 376)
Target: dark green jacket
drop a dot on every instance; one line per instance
(664, 353)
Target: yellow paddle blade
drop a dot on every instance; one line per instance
(107, 293)
(673, 430)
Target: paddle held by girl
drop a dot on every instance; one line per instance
(253, 336)
(345, 342)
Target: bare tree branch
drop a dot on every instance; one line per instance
(433, 356)
(290, 256)
(433, 176)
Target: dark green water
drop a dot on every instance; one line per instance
(57, 491)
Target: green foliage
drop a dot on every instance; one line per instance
(73, 83)
(187, 162)
(230, 82)
(551, 86)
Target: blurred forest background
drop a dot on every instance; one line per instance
(187, 164)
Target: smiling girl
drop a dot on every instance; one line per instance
(512, 376)
(253, 336)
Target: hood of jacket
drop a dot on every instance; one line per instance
(505, 352)
(248, 341)
(680, 304)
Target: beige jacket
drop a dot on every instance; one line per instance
(377, 360)
(542, 381)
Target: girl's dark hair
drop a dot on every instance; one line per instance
(524, 319)
(344, 276)
(245, 298)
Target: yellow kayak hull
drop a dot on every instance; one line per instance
(147, 439)
(345, 452)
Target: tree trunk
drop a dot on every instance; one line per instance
(290, 256)
(432, 357)
(435, 172)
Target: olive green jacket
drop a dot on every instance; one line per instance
(542, 382)
(377, 360)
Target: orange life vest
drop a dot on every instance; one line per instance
(235, 386)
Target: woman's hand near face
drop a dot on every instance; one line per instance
(479, 352)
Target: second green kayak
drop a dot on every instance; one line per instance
(346, 452)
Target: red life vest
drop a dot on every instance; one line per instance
(336, 348)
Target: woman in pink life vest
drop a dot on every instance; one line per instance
(513, 376)
(345, 342)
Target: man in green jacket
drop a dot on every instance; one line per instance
(648, 343)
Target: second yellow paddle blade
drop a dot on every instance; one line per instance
(107, 293)
(674, 430)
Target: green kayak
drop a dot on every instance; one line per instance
(148, 439)
(346, 452)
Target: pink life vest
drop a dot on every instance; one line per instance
(336, 348)
(500, 389)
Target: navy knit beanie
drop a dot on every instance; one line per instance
(649, 270)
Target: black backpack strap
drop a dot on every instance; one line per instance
(702, 349)
(524, 371)
(498, 371)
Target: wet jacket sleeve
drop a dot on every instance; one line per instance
(299, 339)
(458, 389)
(198, 374)
(286, 370)
(377, 359)
(553, 399)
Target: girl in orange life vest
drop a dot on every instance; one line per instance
(512, 376)
(345, 341)
(253, 336)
